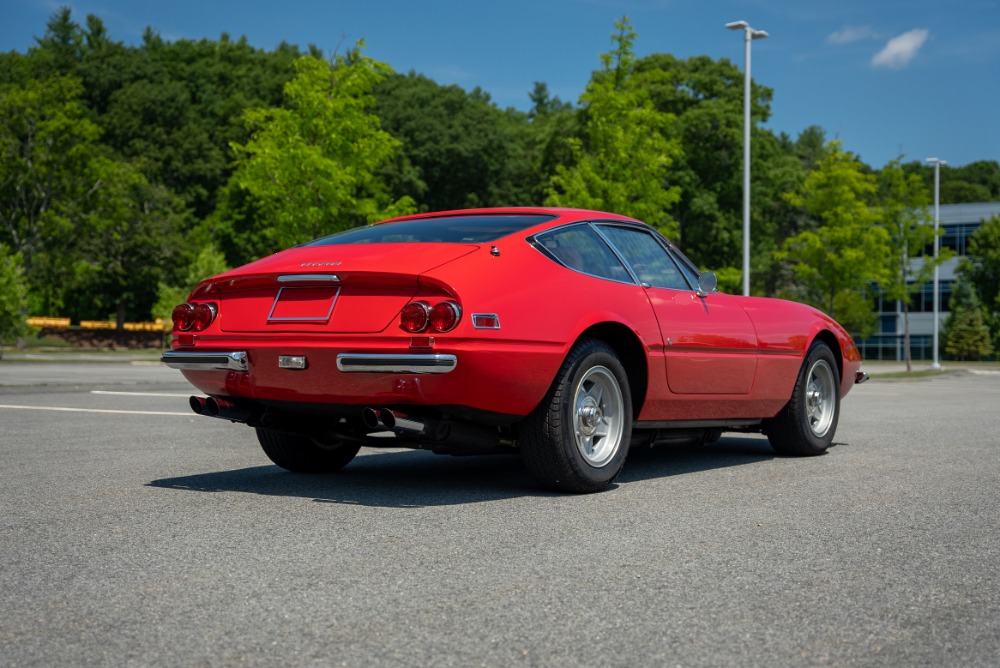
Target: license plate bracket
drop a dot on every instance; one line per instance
(303, 304)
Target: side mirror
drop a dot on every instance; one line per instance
(707, 283)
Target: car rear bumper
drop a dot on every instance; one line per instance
(406, 363)
(505, 378)
(206, 361)
(346, 362)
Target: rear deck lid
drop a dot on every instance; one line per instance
(349, 289)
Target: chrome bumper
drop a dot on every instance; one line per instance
(373, 363)
(346, 362)
(206, 361)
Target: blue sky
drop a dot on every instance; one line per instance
(887, 77)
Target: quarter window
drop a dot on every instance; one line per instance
(581, 248)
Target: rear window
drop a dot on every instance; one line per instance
(445, 229)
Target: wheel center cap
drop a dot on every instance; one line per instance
(590, 416)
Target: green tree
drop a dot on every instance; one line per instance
(903, 211)
(59, 51)
(209, 262)
(46, 148)
(975, 182)
(981, 268)
(623, 159)
(457, 149)
(13, 292)
(846, 250)
(705, 97)
(312, 167)
(125, 241)
(966, 336)
(981, 264)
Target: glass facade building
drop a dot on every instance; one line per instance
(958, 222)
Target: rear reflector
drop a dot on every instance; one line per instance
(485, 321)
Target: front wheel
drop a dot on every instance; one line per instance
(578, 438)
(806, 425)
(301, 454)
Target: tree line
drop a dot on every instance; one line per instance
(129, 172)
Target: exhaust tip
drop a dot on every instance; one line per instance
(386, 417)
(369, 416)
(211, 407)
(197, 404)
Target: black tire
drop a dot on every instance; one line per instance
(806, 425)
(301, 454)
(578, 438)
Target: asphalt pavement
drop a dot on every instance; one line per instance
(134, 532)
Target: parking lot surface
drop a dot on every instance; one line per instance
(134, 532)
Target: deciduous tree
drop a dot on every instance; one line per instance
(46, 147)
(313, 166)
(623, 159)
(13, 294)
(903, 211)
(847, 250)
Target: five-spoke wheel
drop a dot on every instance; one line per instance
(806, 425)
(577, 439)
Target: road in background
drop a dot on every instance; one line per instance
(134, 532)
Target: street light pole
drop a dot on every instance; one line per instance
(937, 162)
(749, 34)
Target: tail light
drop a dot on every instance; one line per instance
(445, 316)
(419, 316)
(204, 314)
(194, 317)
(183, 317)
(415, 317)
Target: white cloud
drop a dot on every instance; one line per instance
(899, 51)
(852, 34)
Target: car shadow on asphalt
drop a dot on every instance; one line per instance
(414, 479)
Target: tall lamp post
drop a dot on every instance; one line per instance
(749, 34)
(937, 162)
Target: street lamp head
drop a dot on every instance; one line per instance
(937, 161)
(758, 34)
(738, 25)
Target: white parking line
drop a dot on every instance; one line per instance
(91, 410)
(142, 394)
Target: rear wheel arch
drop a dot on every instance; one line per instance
(630, 351)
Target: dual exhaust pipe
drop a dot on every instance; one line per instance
(375, 419)
(384, 419)
(446, 436)
(220, 408)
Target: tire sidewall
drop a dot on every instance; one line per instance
(596, 355)
(819, 351)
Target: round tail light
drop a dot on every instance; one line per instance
(204, 314)
(414, 317)
(183, 317)
(445, 316)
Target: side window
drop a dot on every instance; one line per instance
(648, 258)
(581, 248)
(686, 267)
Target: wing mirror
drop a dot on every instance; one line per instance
(707, 283)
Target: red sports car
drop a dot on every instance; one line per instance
(565, 335)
